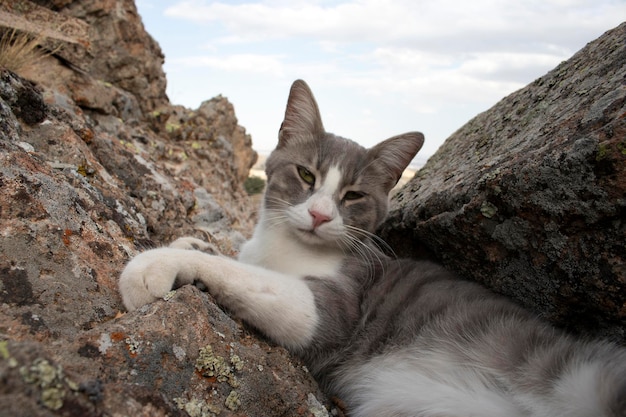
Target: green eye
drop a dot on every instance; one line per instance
(353, 195)
(306, 175)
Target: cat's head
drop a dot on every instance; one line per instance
(328, 190)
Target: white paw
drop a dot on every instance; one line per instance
(151, 275)
(191, 243)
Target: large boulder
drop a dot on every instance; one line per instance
(81, 193)
(529, 197)
(95, 168)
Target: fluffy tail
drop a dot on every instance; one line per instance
(579, 380)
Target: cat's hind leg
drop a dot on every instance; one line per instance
(426, 385)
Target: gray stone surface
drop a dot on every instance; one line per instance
(529, 197)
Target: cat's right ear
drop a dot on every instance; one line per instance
(395, 154)
(302, 117)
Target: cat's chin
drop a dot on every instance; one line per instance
(312, 238)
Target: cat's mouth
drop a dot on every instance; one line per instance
(311, 236)
(308, 232)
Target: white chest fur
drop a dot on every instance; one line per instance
(274, 248)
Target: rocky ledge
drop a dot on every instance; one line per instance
(95, 166)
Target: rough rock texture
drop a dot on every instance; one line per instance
(529, 197)
(178, 357)
(76, 202)
(92, 172)
(119, 51)
(214, 122)
(65, 35)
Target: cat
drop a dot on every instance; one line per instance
(389, 337)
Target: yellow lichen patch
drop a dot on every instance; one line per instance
(47, 377)
(236, 362)
(172, 127)
(4, 350)
(210, 365)
(6, 355)
(232, 401)
(169, 295)
(197, 408)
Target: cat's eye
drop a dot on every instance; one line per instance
(306, 175)
(353, 195)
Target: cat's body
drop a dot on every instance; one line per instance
(392, 338)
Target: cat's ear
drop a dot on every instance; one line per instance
(396, 153)
(302, 116)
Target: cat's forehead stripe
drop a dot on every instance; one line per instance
(331, 183)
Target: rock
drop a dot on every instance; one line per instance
(214, 125)
(121, 52)
(157, 362)
(24, 99)
(78, 198)
(89, 176)
(529, 197)
(64, 35)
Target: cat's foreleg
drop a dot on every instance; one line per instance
(279, 305)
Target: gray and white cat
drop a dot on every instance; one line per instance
(391, 338)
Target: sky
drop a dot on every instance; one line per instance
(376, 67)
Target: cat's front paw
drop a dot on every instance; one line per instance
(150, 276)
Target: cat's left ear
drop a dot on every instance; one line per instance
(396, 153)
(302, 116)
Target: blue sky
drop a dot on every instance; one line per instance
(377, 67)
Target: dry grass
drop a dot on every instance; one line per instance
(20, 49)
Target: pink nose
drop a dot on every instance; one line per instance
(318, 218)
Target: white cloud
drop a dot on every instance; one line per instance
(508, 66)
(489, 40)
(383, 21)
(238, 62)
(264, 20)
(426, 58)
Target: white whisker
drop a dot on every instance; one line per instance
(380, 244)
(275, 216)
(369, 253)
(278, 200)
